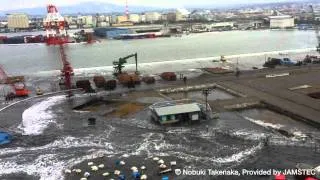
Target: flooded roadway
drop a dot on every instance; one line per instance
(50, 137)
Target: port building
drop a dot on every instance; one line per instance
(152, 17)
(169, 113)
(135, 18)
(121, 19)
(18, 21)
(281, 22)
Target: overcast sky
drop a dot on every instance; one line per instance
(19, 4)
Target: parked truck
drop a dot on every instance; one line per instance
(273, 62)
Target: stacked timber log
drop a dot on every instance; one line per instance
(111, 85)
(148, 80)
(169, 76)
(85, 85)
(125, 79)
(99, 81)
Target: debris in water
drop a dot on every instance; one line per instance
(160, 161)
(117, 172)
(105, 174)
(94, 168)
(86, 174)
(173, 163)
(101, 166)
(163, 166)
(67, 171)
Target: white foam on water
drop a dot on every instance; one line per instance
(179, 130)
(48, 166)
(250, 135)
(239, 157)
(234, 158)
(64, 143)
(156, 146)
(37, 118)
(45, 166)
(152, 144)
(81, 112)
(264, 124)
(299, 134)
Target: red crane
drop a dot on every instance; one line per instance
(127, 11)
(17, 83)
(57, 35)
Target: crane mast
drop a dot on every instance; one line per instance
(57, 35)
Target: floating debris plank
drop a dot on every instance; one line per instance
(277, 75)
(300, 87)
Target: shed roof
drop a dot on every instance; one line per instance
(177, 109)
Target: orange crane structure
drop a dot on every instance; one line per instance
(16, 82)
(56, 34)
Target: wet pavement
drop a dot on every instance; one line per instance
(215, 94)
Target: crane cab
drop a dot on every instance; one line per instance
(20, 89)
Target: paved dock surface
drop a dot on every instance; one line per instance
(274, 91)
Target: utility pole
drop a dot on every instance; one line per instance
(206, 93)
(237, 69)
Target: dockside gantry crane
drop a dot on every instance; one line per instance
(16, 82)
(119, 65)
(57, 35)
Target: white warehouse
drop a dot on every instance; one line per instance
(281, 22)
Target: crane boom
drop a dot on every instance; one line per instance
(118, 65)
(3, 75)
(16, 82)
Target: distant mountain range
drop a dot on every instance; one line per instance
(99, 7)
(83, 8)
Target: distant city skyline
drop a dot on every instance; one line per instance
(24, 4)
